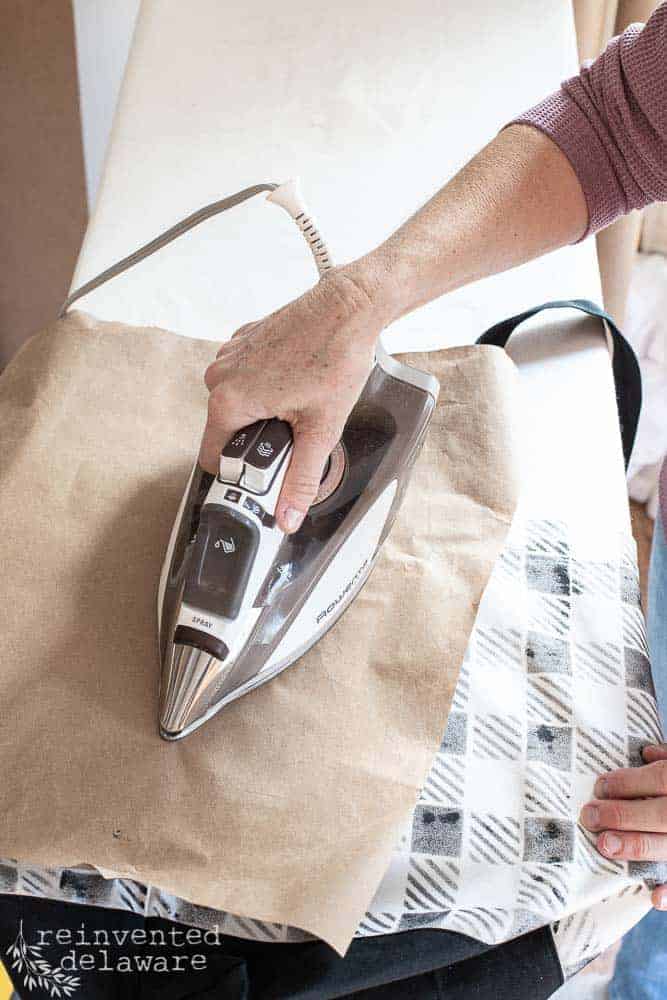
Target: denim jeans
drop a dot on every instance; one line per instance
(641, 967)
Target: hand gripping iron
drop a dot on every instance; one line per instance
(238, 600)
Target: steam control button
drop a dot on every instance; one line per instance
(231, 459)
(265, 457)
(270, 444)
(221, 561)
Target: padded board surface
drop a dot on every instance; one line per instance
(373, 105)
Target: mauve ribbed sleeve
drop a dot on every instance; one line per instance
(611, 122)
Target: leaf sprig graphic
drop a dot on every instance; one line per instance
(27, 959)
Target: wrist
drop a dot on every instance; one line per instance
(377, 290)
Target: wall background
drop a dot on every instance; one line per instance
(103, 38)
(43, 208)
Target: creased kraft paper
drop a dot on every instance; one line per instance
(285, 807)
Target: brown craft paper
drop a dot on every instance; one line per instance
(285, 807)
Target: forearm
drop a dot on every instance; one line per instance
(515, 200)
(592, 151)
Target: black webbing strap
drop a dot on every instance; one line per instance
(625, 367)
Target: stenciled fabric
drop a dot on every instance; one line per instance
(555, 689)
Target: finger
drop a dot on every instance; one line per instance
(213, 441)
(659, 897)
(224, 419)
(647, 815)
(633, 782)
(635, 846)
(654, 752)
(310, 452)
(230, 362)
(214, 375)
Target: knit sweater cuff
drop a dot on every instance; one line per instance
(563, 121)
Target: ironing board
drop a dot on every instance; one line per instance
(374, 107)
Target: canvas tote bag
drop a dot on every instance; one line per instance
(287, 806)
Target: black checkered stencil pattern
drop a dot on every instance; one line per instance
(555, 690)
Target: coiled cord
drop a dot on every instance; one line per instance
(286, 195)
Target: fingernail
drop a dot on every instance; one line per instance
(611, 843)
(600, 789)
(590, 817)
(660, 898)
(292, 518)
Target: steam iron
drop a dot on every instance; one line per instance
(238, 600)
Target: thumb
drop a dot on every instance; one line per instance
(310, 452)
(656, 751)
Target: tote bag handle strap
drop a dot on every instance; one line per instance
(625, 367)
